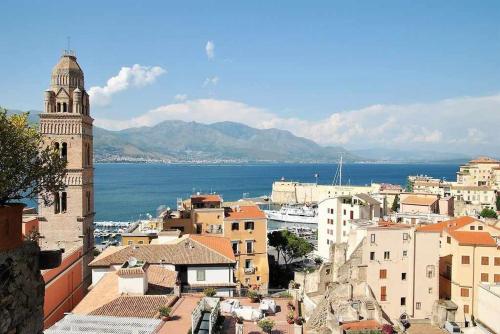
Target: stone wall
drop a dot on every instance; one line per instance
(21, 290)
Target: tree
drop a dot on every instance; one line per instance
(289, 246)
(266, 325)
(395, 204)
(278, 241)
(409, 186)
(488, 213)
(28, 169)
(498, 202)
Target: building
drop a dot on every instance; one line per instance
(339, 215)
(138, 238)
(197, 261)
(488, 304)
(66, 224)
(402, 266)
(469, 255)
(244, 224)
(482, 171)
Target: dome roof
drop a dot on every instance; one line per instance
(67, 64)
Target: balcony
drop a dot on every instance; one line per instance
(250, 271)
(214, 229)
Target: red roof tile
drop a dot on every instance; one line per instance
(447, 225)
(245, 212)
(363, 324)
(473, 238)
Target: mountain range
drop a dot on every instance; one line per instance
(179, 141)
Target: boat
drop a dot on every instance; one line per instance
(301, 231)
(300, 214)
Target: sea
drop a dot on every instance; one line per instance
(127, 192)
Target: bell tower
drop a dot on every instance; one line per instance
(66, 124)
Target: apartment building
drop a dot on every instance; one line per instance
(339, 215)
(245, 225)
(402, 269)
(469, 256)
(482, 171)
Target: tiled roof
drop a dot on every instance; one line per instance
(134, 306)
(417, 200)
(205, 198)
(160, 277)
(485, 160)
(221, 245)
(245, 212)
(368, 199)
(473, 238)
(186, 251)
(134, 271)
(363, 324)
(449, 224)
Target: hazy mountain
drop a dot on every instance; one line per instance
(224, 141)
(395, 155)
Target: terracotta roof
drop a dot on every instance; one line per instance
(485, 160)
(473, 238)
(447, 225)
(187, 250)
(245, 212)
(363, 324)
(368, 199)
(417, 200)
(205, 198)
(221, 245)
(132, 271)
(134, 306)
(160, 277)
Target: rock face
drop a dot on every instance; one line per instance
(21, 290)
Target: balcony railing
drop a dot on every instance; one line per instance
(250, 271)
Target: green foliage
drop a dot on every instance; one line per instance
(498, 202)
(266, 325)
(27, 168)
(318, 260)
(285, 294)
(210, 292)
(488, 213)
(395, 204)
(253, 294)
(165, 311)
(289, 246)
(409, 186)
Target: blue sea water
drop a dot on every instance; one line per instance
(126, 192)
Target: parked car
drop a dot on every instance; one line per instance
(452, 327)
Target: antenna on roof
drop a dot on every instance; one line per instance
(68, 51)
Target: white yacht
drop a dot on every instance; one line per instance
(300, 214)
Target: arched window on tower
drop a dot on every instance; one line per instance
(65, 107)
(57, 202)
(64, 151)
(64, 201)
(88, 201)
(56, 146)
(89, 157)
(58, 106)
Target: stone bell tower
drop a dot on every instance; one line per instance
(66, 124)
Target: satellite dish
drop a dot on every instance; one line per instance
(132, 261)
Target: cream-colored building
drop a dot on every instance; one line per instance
(482, 171)
(339, 215)
(402, 269)
(469, 255)
(66, 125)
(488, 305)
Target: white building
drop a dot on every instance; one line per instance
(339, 215)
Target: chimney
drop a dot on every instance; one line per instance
(133, 277)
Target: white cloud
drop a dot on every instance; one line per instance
(211, 81)
(210, 49)
(180, 97)
(465, 124)
(135, 76)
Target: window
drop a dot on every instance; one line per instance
(485, 260)
(249, 246)
(383, 273)
(430, 290)
(64, 201)
(235, 226)
(140, 242)
(387, 255)
(57, 203)
(88, 201)
(372, 256)
(200, 275)
(496, 278)
(465, 259)
(235, 245)
(403, 301)
(383, 293)
(448, 240)
(466, 309)
(405, 236)
(497, 261)
(484, 277)
(372, 238)
(405, 253)
(249, 226)
(430, 271)
(464, 292)
(418, 305)
(129, 242)
(480, 228)
(65, 107)
(258, 278)
(344, 212)
(403, 276)
(64, 151)
(248, 264)
(351, 215)
(472, 228)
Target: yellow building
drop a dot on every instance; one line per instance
(481, 171)
(138, 238)
(469, 256)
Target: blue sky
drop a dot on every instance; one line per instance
(316, 68)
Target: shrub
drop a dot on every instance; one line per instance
(266, 325)
(488, 213)
(165, 311)
(253, 295)
(318, 260)
(210, 292)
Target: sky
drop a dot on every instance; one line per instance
(419, 75)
